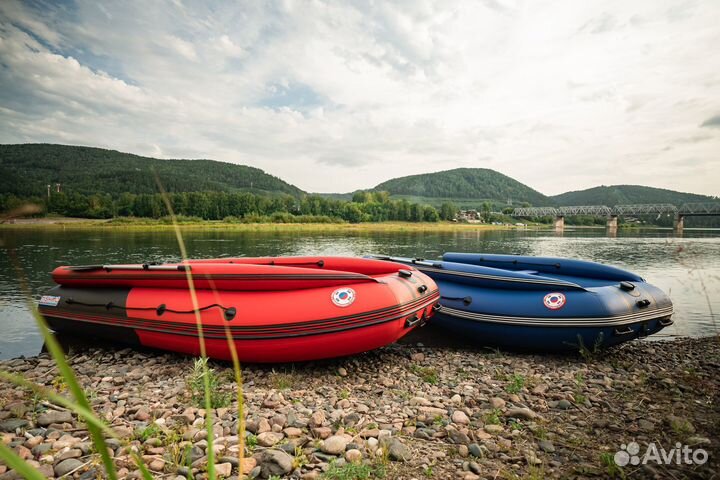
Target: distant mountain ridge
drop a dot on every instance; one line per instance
(463, 184)
(627, 194)
(27, 169)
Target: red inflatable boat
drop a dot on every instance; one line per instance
(274, 309)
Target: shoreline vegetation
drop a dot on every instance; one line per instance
(189, 223)
(401, 412)
(193, 223)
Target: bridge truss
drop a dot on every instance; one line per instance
(687, 209)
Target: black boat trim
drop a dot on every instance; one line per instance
(216, 276)
(591, 322)
(217, 333)
(400, 309)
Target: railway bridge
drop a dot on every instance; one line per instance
(612, 213)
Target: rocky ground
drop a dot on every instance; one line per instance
(404, 412)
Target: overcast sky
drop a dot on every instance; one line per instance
(335, 96)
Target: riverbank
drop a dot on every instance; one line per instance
(160, 224)
(403, 412)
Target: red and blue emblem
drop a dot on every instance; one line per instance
(342, 297)
(554, 301)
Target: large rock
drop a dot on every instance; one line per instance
(523, 413)
(457, 437)
(67, 466)
(353, 456)
(334, 445)
(13, 424)
(54, 416)
(460, 417)
(493, 429)
(546, 446)
(275, 462)
(475, 450)
(70, 453)
(317, 419)
(269, 439)
(398, 451)
(424, 402)
(249, 463)
(223, 470)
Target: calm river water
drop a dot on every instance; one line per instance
(687, 266)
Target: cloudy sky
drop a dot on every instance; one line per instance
(335, 96)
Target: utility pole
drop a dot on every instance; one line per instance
(48, 189)
(57, 186)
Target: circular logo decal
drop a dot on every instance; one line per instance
(342, 297)
(554, 301)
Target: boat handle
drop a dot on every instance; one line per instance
(412, 321)
(666, 322)
(436, 307)
(627, 331)
(466, 300)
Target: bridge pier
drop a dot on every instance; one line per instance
(560, 222)
(612, 222)
(679, 223)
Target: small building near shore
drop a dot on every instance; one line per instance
(469, 216)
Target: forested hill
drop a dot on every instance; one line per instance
(626, 194)
(27, 169)
(464, 183)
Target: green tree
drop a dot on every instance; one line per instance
(430, 214)
(448, 210)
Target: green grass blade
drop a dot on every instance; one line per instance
(78, 393)
(144, 471)
(237, 370)
(70, 380)
(199, 326)
(18, 464)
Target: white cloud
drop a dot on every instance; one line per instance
(337, 96)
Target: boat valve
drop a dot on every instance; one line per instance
(405, 273)
(627, 286)
(230, 313)
(160, 309)
(422, 288)
(643, 303)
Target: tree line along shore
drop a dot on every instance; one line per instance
(237, 207)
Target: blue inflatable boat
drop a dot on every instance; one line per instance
(543, 303)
